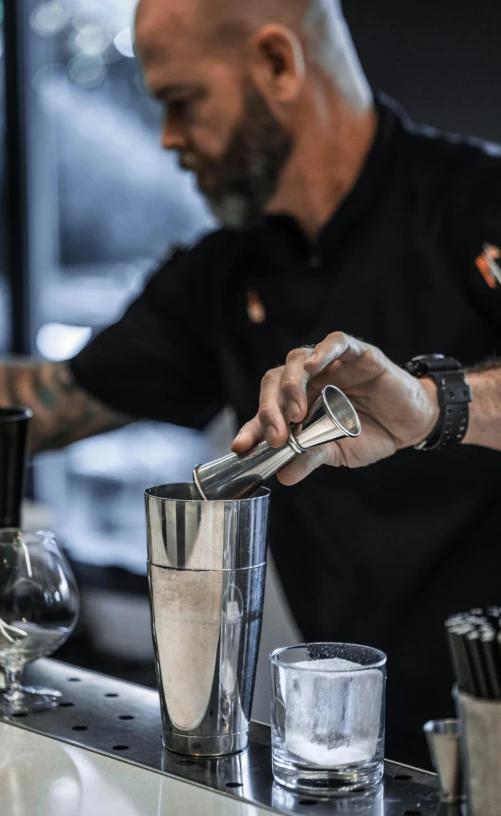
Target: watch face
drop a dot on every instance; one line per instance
(424, 358)
(430, 364)
(424, 363)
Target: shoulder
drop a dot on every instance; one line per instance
(451, 182)
(437, 155)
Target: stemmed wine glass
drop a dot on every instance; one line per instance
(38, 611)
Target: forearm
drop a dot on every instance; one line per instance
(484, 427)
(63, 412)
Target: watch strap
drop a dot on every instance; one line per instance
(453, 395)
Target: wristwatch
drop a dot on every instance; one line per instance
(454, 395)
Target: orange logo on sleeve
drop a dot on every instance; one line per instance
(487, 266)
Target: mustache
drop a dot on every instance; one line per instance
(188, 161)
(194, 163)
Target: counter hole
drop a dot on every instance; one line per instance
(74, 680)
(111, 694)
(79, 728)
(20, 714)
(66, 705)
(402, 777)
(307, 802)
(234, 785)
(126, 717)
(120, 747)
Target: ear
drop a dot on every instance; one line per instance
(277, 63)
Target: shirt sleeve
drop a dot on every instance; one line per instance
(472, 221)
(156, 362)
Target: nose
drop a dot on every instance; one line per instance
(172, 138)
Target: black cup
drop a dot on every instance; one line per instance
(14, 426)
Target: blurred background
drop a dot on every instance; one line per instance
(90, 205)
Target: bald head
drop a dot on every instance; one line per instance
(227, 26)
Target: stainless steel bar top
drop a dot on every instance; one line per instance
(123, 720)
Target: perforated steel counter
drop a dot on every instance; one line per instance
(122, 720)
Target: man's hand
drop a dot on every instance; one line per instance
(396, 410)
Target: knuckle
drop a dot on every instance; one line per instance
(296, 355)
(372, 356)
(290, 386)
(337, 338)
(270, 376)
(266, 412)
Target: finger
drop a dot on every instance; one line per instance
(294, 384)
(336, 346)
(249, 435)
(271, 413)
(303, 465)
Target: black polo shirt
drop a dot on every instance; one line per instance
(383, 554)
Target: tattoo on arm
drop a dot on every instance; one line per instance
(62, 411)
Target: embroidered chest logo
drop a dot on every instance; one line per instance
(255, 309)
(489, 265)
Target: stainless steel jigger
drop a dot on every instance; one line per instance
(443, 741)
(331, 417)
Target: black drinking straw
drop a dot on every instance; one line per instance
(474, 639)
(461, 659)
(477, 664)
(488, 644)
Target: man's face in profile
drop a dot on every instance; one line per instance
(215, 118)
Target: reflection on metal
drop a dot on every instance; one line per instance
(207, 567)
(443, 737)
(96, 703)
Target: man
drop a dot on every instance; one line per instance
(371, 226)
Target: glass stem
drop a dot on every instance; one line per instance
(13, 683)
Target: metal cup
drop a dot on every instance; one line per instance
(206, 568)
(481, 743)
(331, 417)
(443, 737)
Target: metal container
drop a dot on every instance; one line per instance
(481, 744)
(207, 569)
(331, 417)
(443, 742)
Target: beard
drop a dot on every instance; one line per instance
(247, 175)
